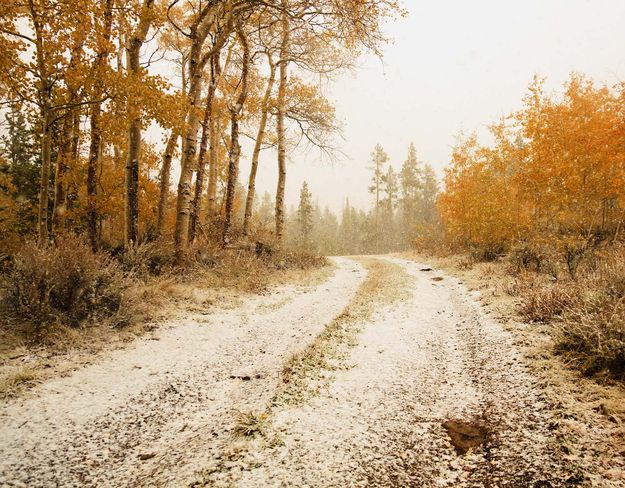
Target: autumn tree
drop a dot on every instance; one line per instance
(134, 42)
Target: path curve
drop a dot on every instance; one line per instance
(384, 420)
(153, 413)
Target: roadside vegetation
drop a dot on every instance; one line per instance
(95, 234)
(68, 301)
(545, 201)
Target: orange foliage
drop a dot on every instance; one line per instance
(555, 172)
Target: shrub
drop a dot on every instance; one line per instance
(487, 252)
(147, 259)
(298, 260)
(592, 333)
(545, 303)
(594, 338)
(63, 283)
(526, 257)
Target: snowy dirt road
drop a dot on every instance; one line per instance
(429, 392)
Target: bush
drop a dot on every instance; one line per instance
(526, 257)
(592, 333)
(487, 253)
(547, 302)
(147, 259)
(298, 260)
(594, 338)
(64, 283)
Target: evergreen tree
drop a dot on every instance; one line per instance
(390, 187)
(305, 216)
(265, 211)
(430, 195)
(22, 167)
(411, 182)
(378, 159)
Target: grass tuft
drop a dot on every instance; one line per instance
(250, 424)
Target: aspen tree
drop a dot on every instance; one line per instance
(164, 178)
(95, 147)
(135, 41)
(281, 109)
(260, 135)
(235, 146)
(219, 19)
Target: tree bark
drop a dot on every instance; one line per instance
(284, 54)
(213, 170)
(164, 178)
(188, 160)
(235, 147)
(133, 53)
(44, 182)
(93, 164)
(251, 185)
(72, 192)
(196, 207)
(45, 107)
(95, 145)
(207, 19)
(62, 167)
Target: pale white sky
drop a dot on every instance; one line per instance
(453, 65)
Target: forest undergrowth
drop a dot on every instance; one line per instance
(571, 327)
(65, 299)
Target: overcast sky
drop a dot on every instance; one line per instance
(453, 65)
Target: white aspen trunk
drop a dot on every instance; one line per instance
(164, 177)
(235, 147)
(251, 185)
(284, 53)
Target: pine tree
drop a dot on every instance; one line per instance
(430, 195)
(378, 159)
(23, 167)
(305, 216)
(20, 151)
(411, 182)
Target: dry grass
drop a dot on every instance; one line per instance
(582, 303)
(250, 424)
(64, 284)
(15, 379)
(151, 290)
(546, 303)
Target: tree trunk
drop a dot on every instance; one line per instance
(44, 182)
(164, 178)
(95, 146)
(213, 173)
(235, 147)
(284, 53)
(188, 159)
(45, 108)
(92, 170)
(72, 193)
(133, 53)
(201, 170)
(251, 185)
(131, 203)
(62, 167)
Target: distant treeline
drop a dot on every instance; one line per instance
(403, 212)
